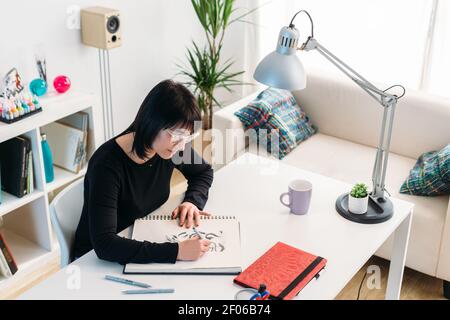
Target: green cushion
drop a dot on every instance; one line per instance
(430, 175)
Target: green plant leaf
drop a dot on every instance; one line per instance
(199, 7)
(227, 11)
(359, 190)
(204, 70)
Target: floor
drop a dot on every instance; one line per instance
(416, 285)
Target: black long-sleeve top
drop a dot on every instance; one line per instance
(117, 191)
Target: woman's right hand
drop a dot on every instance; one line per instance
(192, 249)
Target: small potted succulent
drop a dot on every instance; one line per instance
(358, 199)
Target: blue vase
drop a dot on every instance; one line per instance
(48, 160)
(38, 87)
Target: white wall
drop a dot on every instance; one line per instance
(385, 46)
(384, 40)
(438, 79)
(155, 35)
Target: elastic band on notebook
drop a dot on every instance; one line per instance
(300, 278)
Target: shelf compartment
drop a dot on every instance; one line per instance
(31, 221)
(28, 256)
(54, 107)
(11, 203)
(63, 177)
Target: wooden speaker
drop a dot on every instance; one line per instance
(101, 27)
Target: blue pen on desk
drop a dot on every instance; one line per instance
(147, 291)
(127, 281)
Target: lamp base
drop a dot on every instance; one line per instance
(378, 210)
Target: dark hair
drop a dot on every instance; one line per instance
(169, 104)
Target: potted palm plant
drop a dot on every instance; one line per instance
(358, 199)
(205, 71)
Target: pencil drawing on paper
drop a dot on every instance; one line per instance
(216, 238)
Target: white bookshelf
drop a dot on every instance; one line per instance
(25, 222)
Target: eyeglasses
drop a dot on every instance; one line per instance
(181, 135)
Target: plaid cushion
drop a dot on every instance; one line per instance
(430, 175)
(279, 123)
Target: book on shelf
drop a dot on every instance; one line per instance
(16, 166)
(4, 269)
(68, 141)
(79, 120)
(8, 266)
(30, 173)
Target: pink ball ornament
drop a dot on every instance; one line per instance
(61, 84)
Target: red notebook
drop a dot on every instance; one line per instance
(285, 271)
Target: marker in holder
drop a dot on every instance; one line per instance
(18, 107)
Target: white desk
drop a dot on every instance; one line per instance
(249, 188)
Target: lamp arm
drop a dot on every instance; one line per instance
(379, 95)
(388, 101)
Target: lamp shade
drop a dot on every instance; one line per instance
(281, 71)
(282, 68)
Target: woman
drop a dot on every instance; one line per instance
(129, 176)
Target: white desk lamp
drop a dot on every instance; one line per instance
(282, 69)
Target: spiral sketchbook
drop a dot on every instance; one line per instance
(223, 257)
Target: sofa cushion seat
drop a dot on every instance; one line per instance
(351, 162)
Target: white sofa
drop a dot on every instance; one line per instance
(348, 122)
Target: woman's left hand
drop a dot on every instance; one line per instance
(188, 214)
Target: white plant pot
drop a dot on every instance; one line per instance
(357, 205)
